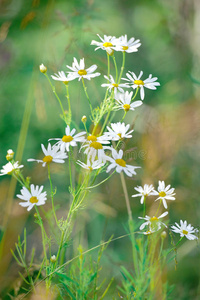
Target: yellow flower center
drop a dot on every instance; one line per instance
(92, 138)
(120, 135)
(148, 232)
(139, 82)
(90, 168)
(96, 145)
(125, 48)
(120, 162)
(66, 82)
(107, 44)
(154, 219)
(162, 194)
(185, 231)
(67, 138)
(115, 85)
(47, 159)
(126, 107)
(33, 199)
(82, 72)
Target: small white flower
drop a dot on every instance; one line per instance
(124, 101)
(135, 82)
(185, 230)
(144, 192)
(118, 131)
(91, 165)
(9, 168)
(107, 43)
(95, 147)
(128, 46)
(112, 85)
(120, 164)
(51, 154)
(10, 155)
(69, 139)
(32, 197)
(43, 69)
(61, 77)
(79, 71)
(154, 223)
(164, 193)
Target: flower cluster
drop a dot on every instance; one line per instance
(153, 223)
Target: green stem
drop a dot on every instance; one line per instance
(43, 235)
(125, 112)
(144, 207)
(70, 171)
(85, 89)
(122, 67)
(116, 70)
(135, 93)
(94, 186)
(52, 194)
(158, 207)
(126, 196)
(69, 104)
(54, 91)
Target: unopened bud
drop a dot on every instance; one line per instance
(84, 119)
(163, 234)
(10, 154)
(53, 259)
(35, 215)
(43, 69)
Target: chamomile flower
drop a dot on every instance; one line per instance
(107, 43)
(154, 223)
(79, 71)
(51, 154)
(185, 230)
(118, 131)
(124, 101)
(69, 139)
(9, 168)
(95, 147)
(164, 193)
(61, 77)
(33, 197)
(91, 165)
(128, 46)
(144, 192)
(136, 82)
(120, 164)
(112, 85)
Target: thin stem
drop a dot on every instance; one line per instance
(144, 207)
(69, 104)
(158, 207)
(85, 89)
(116, 70)
(93, 186)
(52, 194)
(126, 196)
(54, 91)
(70, 171)
(122, 67)
(135, 93)
(43, 234)
(125, 112)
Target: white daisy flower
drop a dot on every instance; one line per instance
(124, 101)
(107, 43)
(185, 230)
(112, 85)
(135, 82)
(91, 165)
(95, 147)
(120, 164)
(143, 192)
(9, 168)
(118, 131)
(154, 223)
(51, 154)
(79, 71)
(32, 197)
(164, 193)
(61, 77)
(128, 46)
(69, 139)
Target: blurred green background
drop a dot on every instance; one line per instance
(166, 141)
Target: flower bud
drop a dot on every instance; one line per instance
(163, 234)
(53, 259)
(84, 119)
(43, 69)
(10, 154)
